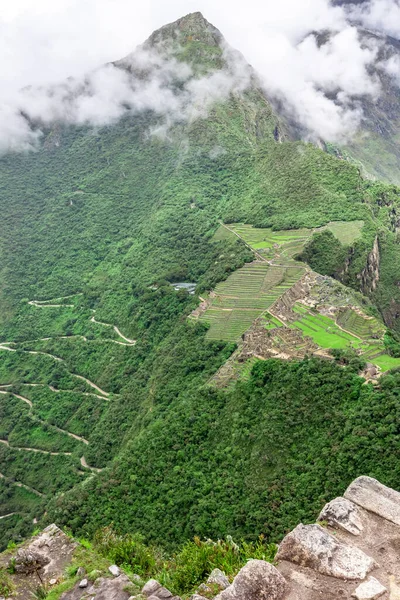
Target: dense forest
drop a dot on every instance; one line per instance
(107, 412)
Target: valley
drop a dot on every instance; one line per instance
(198, 318)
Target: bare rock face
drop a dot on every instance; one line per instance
(219, 578)
(312, 546)
(155, 591)
(375, 497)
(28, 561)
(343, 514)
(103, 588)
(369, 590)
(151, 587)
(257, 580)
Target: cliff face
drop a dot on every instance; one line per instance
(369, 277)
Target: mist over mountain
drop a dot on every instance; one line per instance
(200, 286)
(332, 87)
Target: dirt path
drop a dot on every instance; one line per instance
(41, 305)
(64, 431)
(117, 331)
(26, 400)
(86, 466)
(90, 383)
(93, 385)
(37, 450)
(23, 485)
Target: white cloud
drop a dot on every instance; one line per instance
(380, 15)
(44, 42)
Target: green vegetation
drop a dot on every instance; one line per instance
(325, 254)
(290, 438)
(105, 220)
(323, 330)
(346, 232)
(185, 570)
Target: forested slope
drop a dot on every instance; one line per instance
(95, 342)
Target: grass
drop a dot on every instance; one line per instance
(386, 362)
(267, 239)
(327, 334)
(347, 232)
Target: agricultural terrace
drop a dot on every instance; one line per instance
(245, 296)
(362, 333)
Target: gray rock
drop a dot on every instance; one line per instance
(163, 594)
(312, 546)
(257, 580)
(114, 570)
(219, 578)
(375, 497)
(52, 581)
(105, 588)
(204, 589)
(369, 590)
(81, 572)
(342, 514)
(29, 561)
(150, 587)
(83, 583)
(194, 597)
(136, 578)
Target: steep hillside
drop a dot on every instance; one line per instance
(109, 409)
(377, 144)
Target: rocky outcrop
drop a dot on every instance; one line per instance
(258, 580)
(369, 277)
(218, 577)
(375, 497)
(155, 591)
(343, 514)
(102, 589)
(312, 546)
(355, 554)
(369, 590)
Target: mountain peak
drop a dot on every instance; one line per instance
(190, 28)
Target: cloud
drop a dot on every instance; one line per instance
(317, 83)
(144, 81)
(379, 15)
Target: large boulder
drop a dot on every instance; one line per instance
(342, 514)
(312, 546)
(155, 591)
(258, 580)
(375, 497)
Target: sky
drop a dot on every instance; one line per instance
(43, 42)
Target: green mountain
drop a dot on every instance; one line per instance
(155, 273)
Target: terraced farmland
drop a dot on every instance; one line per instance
(245, 295)
(347, 232)
(365, 328)
(323, 330)
(327, 334)
(290, 241)
(266, 239)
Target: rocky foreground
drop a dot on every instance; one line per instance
(352, 552)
